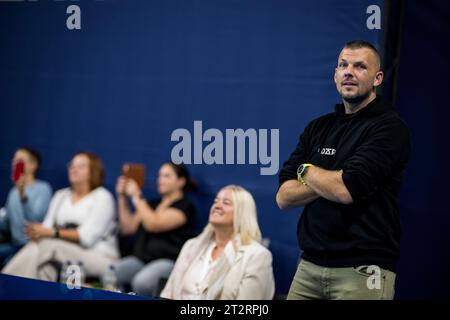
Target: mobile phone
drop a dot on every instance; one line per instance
(135, 171)
(18, 170)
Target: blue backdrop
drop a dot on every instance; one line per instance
(138, 70)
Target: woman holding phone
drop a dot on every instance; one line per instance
(27, 202)
(79, 227)
(160, 227)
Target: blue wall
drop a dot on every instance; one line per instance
(137, 70)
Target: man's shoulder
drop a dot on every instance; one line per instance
(390, 119)
(318, 124)
(12, 191)
(321, 120)
(43, 185)
(325, 117)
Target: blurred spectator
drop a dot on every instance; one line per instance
(161, 227)
(226, 261)
(79, 227)
(27, 202)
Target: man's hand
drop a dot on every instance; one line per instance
(20, 185)
(36, 231)
(328, 184)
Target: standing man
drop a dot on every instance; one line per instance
(346, 171)
(27, 202)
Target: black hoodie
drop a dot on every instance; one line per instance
(372, 148)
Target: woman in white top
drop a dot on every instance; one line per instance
(226, 261)
(79, 227)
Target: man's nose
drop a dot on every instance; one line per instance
(349, 72)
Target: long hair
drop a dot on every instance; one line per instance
(245, 225)
(245, 221)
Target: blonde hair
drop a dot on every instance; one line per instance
(245, 221)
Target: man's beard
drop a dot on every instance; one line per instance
(358, 99)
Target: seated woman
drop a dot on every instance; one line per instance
(79, 227)
(161, 227)
(226, 261)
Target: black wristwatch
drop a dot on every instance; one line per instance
(56, 233)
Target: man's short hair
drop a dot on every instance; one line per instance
(359, 44)
(34, 156)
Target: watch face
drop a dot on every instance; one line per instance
(300, 171)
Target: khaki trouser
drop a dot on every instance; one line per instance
(35, 259)
(359, 283)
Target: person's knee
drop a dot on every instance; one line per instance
(21, 261)
(121, 272)
(47, 244)
(125, 269)
(145, 283)
(147, 280)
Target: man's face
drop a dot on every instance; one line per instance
(357, 73)
(22, 155)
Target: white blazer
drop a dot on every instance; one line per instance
(250, 276)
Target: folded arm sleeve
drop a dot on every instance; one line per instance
(385, 152)
(290, 166)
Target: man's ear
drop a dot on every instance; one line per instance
(379, 76)
(334, 76)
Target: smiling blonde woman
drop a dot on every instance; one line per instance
(226, 261)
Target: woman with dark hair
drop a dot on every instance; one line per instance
(79, 227)
(160, 227)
